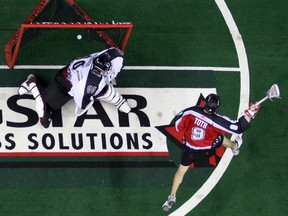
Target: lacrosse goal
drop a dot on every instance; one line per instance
(53, 28)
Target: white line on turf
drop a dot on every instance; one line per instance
(167, 68)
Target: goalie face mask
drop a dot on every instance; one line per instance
(212, 102)
(102, 64)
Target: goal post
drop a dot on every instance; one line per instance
(104, 34)
(62, 21)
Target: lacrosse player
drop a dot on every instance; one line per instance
(85, 79)
(203, 131)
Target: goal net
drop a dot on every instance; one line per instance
(59, 30)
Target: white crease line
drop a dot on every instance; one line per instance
(167, 68)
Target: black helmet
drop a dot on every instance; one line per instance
(102, 63)
(212, 102)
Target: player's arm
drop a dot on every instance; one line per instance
(226, 125)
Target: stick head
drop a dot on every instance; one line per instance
(273, 92)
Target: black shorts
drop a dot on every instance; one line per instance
(56, 93)
(189, 155)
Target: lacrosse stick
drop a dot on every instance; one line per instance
(273, 92)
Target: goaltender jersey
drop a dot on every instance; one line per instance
(86, 80)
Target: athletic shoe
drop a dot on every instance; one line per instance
(236, 149)
(24, 88)
(238, 139)
(168, 204)
(238, 143)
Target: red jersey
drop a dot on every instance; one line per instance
(202, 129)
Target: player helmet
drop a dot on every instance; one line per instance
(212, 102)
(102, 63)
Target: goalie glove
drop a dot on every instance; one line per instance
(252, 110)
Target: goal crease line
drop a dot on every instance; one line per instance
(172, 68)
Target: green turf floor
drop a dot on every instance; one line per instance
(167, 33)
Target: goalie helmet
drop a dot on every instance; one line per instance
(212, 102)
(102, 63)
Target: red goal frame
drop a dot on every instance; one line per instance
(13, 45)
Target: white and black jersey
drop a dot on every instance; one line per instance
(86, 82)
(81, 81)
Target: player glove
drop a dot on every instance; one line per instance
(252, 110)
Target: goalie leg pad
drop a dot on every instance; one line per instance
(43, 114)
(114, 97)
(27, 85)
(40, 105)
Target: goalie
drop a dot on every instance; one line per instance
(85, 79)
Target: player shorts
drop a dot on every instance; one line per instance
(189, 155)
(56, 93)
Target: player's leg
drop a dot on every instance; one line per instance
(112, 96)
(178, 178)
(233, 145)
(188, 156)
(31, 85)
(27, 85)
(56, 93)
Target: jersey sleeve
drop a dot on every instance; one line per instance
(227, 126)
